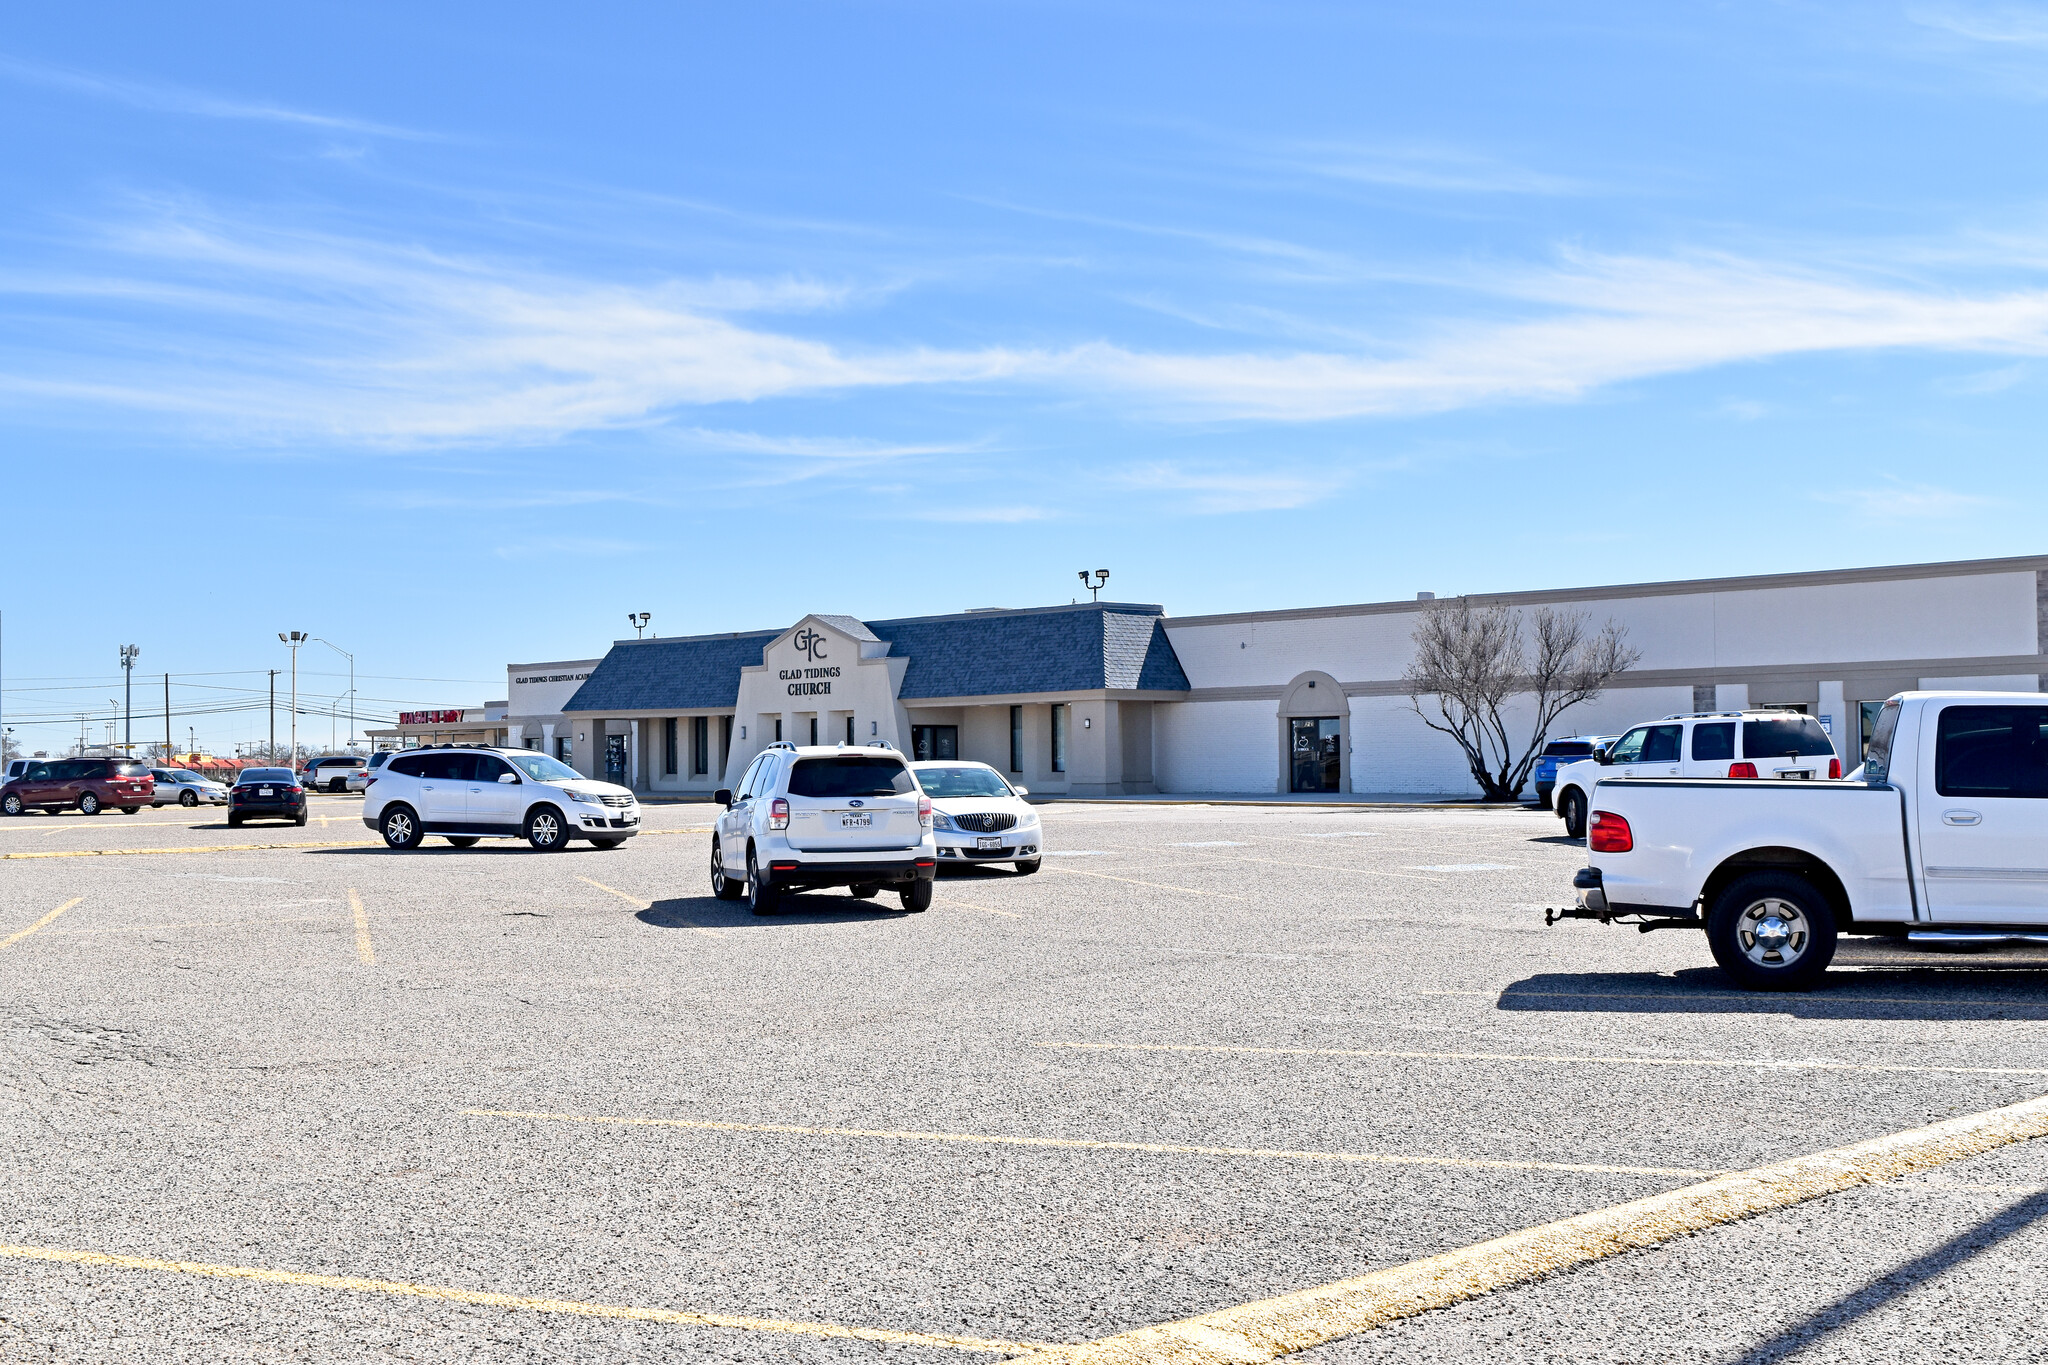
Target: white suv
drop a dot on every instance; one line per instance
(1778, 744)
(467, 794)
(824, 816)
(979, 817)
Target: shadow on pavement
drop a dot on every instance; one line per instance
(1933, 993)
(709, 912)
(1556, 839)
(2007, 1222)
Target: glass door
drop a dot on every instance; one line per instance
(1316, 753)
(932, 742)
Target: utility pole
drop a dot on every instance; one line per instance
(273, 715)
(128, 654)
(167, 717)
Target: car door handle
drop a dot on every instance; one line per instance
(1961, 817)
(426, 786)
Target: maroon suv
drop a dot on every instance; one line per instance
(91, 784)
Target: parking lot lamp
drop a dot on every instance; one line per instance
(293, 639)
(128, 656)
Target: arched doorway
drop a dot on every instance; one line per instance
(1315, 750)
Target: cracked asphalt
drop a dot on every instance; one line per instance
(1208, 1055)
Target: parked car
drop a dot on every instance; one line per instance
(824, 816)
(361, 778)
(977, 816)
(178, 786)
(467, 794)
(1938, 844)
(267, 794)
(1557, 753)
(1780, 744)
(331, 773)
(90, 784)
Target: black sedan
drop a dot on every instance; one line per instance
(267, 794)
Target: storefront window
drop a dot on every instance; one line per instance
(1016, 739)
(668, 746)
(1316, 762)
(700, 743)
(934, 742)
(1059, 739)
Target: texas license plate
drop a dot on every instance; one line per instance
(1799, 774)
(856, 819)
(988, 841)
(265, 791)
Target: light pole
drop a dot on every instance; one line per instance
(293, 639)
(638, 621)
(128, 656)
(351, 688)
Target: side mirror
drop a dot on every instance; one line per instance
(1021, 791)
(1602, 757)
(509, 778)
(723, 796)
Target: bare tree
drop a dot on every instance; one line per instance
(1470, 663)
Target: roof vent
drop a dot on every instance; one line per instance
(977, 611)
(1425, 597)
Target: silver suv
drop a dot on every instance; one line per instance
(824, 816)
(466, 794)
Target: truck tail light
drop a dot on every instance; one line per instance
(1610, 833)
(1742, 770)
(1834, 769)
(778, 814)
(924, 811)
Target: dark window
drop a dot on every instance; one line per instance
(1877, 756)
(814, 729)
(1662, 744)
(1713, 743)
(929, 742)
(955, 783)
(1785, 737)
(724, 743)
(1567, 748)
(850, 776)
(1992, 751)
(849, 729)
(778, 729)
(1315, 753)
(700, 744)
(132, 768)
(489, 768)
(1629, 748)
(447, 767)
(564, 748)
(668, 745)
(1016, 739)
(1059, 739)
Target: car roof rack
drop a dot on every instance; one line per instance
(782, 744)
(1701, 715)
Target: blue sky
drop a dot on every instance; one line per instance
(453, 333)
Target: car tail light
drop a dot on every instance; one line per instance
(778, 814)
(1834, 769)
(1610, 833)
(1742, 770)
(924, 811)
(298, 791)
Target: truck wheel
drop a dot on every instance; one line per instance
(1771, 931)
(722, 885)
(1572, 806)
(763, 896)
(917, 895)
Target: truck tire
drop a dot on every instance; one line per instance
(1772, 931)
(1571, 805)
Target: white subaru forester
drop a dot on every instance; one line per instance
(466, 794)
(824, 816)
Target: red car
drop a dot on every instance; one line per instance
(91, 784)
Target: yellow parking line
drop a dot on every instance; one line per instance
(364, 948)
(1271, 1328)
(213, 848)
(647, 905)
(985, 909)
(1090, 1144)
(1758, 1064)
(406, 1289)
(1133, 881)
(20, 934)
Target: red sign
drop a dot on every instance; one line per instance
(430, 717)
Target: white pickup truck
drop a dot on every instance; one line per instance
(1940, 837)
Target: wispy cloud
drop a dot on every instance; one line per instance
(976, 515)
(1983, 381)
(171, 99)
(840, 449)
(1215, 488)
(1438, 169)
(1895, 500)
(2004, 25)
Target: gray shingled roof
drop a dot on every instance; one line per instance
(679, 674)
(1081, 648)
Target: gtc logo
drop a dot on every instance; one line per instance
(810, 644)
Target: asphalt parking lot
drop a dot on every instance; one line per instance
(276, 1093)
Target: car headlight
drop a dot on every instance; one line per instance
(587, 798)
(940, 821)
(1027, 820)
